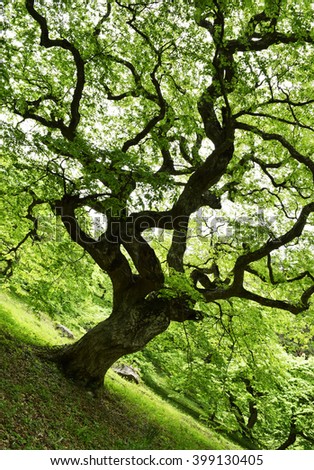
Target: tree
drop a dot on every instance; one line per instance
(143, 114)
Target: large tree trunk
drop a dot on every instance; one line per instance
(127, 330)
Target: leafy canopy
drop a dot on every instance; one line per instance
(143, 115)
(173, 140)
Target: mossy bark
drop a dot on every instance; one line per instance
(126, 331)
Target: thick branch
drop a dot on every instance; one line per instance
(102, 20)
(272, 303)
(105, 252)
(279, 138)
(287, 100)
(272, 277)
(244, 260)
(178, 244)
(181, 311)
(218, 293)
(242, 265)
(275, 118)
(145, 261)
(265, 41)
(293, 433)
(205, 176)
(67, 131)
(152, 123)
(194, 195)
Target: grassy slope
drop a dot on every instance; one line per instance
(43, 410)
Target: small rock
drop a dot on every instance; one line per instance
(127, 372)
(64, 331)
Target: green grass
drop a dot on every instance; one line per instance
(187, 432)
(18, 320)
(44, 410)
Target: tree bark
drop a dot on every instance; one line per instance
(127, 330)
(293, 433)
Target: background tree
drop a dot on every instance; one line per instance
(142, 114)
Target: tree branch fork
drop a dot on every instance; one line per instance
(127, 231)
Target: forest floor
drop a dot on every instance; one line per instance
(41, 409)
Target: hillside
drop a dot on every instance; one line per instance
(43, 410)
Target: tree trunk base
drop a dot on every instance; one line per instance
(124, 332)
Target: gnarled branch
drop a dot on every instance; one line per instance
(67, 131)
